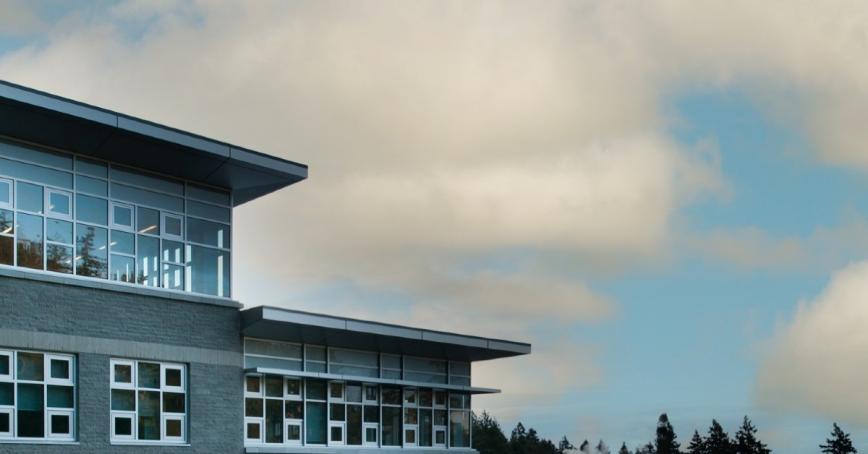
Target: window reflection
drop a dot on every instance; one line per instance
(91, 251)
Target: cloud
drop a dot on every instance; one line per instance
(751, 248)
(17, 19)
(815, 363)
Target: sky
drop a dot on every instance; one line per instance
(667, 199)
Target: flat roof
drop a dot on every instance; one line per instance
(45, 119)
(265, 322)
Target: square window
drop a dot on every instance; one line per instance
(60, 369)
(148, 221)
(253, 407)
(149, 375)
(336, 391)
(293, 388)
(122, 373)
(59, 425)
(31, 366)
(371, 394)
(338, 412)
(123, 426)
(254, 431)
(59, 203)
(273, 386)
(410, 396)
(173, 428)
(410, 436)
(123, 400)
(7, 393)
(122, 216)
(336, 434)
(174, 402)
(294, 409)
(173, 226)
(173, 377)
(253, 384)
(371, 435)
(440, 437)
(293, 433)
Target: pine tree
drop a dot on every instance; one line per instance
(488, 438)
(746, 441)
(623, 449)
(647, 449)
(565, 446)
(602, 448)
(585, 447)
(665, 442)
(840, 442)
(717, 441)
(697, 444)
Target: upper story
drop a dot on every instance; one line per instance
(98, 196)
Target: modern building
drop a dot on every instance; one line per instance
(118, 327)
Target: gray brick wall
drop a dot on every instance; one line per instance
(215, 390)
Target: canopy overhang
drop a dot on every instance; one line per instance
(44, 119)
(287, 325)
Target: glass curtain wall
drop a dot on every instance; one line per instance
(68, 214)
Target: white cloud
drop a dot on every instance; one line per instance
(816, 362)
(16, 19)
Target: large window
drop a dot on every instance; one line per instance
(74, 215)
(148, 401)
(37, 396)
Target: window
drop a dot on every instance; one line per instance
(459, 420)
(314, 358)
(148, 401)
(353, 362)
(424, 370)
(391, 366)
(59, 204)
(75, 215)
(122, 216)
(5, 193)
(173, 226)
(37, 396)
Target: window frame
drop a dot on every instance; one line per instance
(365, 427)
(253, 420)
(161, 390)
(49, 433)
(10, 411)
(8, 204)
(342, 425)
(114, 225)
(163, 233)
(47, 192)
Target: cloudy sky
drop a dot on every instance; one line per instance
(668, 199)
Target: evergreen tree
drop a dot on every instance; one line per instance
(665, 442)
(602, 448)
(746, 441)
(488, 438)
(647, 449)
(565, 446)
(840, 442)
(697, 444)
(717, 441)
(585, 447)
(623, 449)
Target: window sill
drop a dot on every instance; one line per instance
(38, 442)
(149, 443)
(122, 287)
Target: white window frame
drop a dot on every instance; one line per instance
(49, 380)
(173, 389)
(10, 411)
(123, 385)
(115, 415)
(365, 441)
(342, 397)
(445, 436)
(49, 212)
(173, 417)
(162, 389)
(411, 428)
(287, 395)
(49, 433)
(261, 391)
(11, 358)
(365, 395)
(164, 233)
(114, 225)
(343, 427)
(8, 203)
(296, 423)
(259, 422)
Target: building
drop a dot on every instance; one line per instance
(118, 331)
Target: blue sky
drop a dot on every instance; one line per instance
(668, 201)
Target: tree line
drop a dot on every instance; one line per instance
(489, 438)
